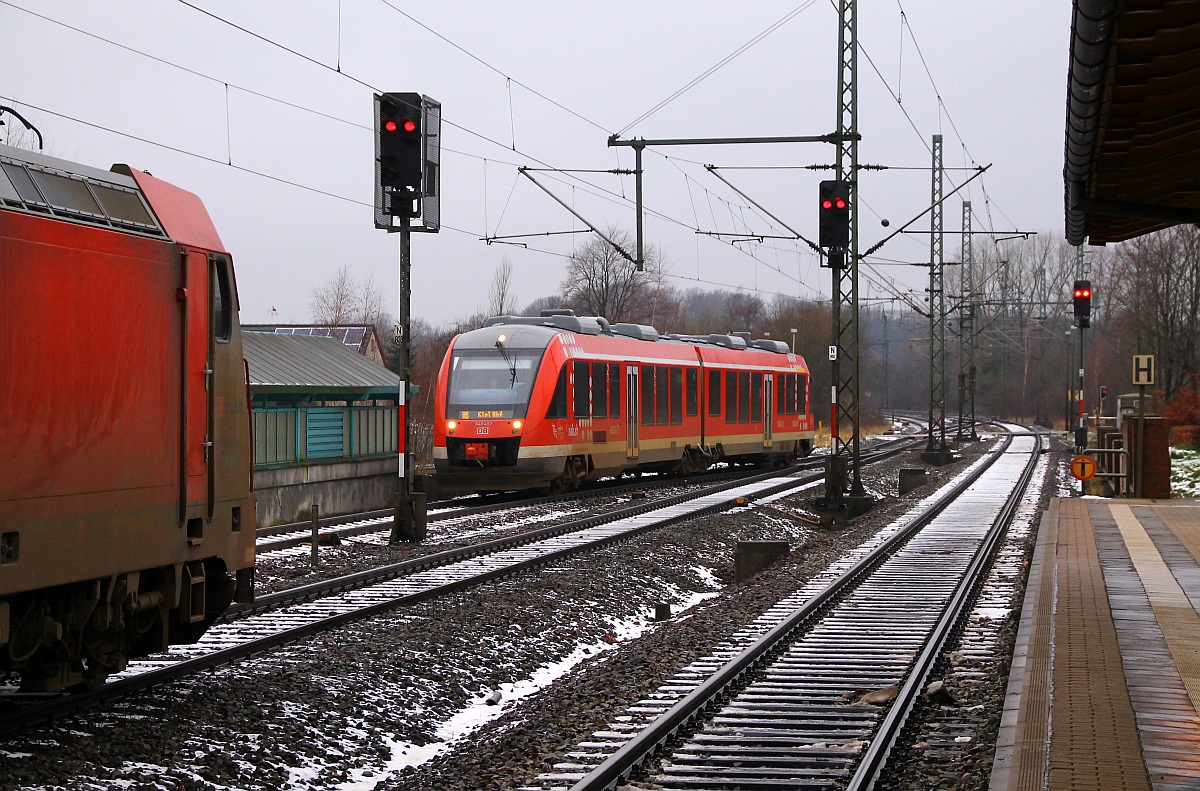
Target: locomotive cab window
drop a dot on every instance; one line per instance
(484, 383)
(222, 300)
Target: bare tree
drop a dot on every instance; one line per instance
(602, 282)
(1154, 282)
(501, 299)
(344, 299)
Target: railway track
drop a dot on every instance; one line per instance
(281, 537)
(814, 693)
(288, 616)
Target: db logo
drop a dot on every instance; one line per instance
(483, 428)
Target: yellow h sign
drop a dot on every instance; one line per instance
(1143, 369)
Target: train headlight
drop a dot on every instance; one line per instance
(517, 426)
(450, 426)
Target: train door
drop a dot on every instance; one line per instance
(768, 409)
(197, 406)
(631, 412)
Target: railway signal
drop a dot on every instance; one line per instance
(1083, 302)
(834, 214)
(398, 141)
(407, 187)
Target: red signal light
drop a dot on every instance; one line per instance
(389, 124)
(841, 203)
(826, 204)
(410, 125)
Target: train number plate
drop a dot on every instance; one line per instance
(483, 429)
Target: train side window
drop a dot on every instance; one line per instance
(781, 402)
(731, 378)
(756, 397)
(647, 395)
(743, 412)
(661, 395)
(583, 389)
(614, 390)
(693, 392)
(676, 395)
(714, 393)
(558, 402)
(599, 390)
(222, 300)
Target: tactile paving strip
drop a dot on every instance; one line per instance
(1176, 617)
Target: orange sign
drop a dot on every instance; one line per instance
(1083, 468)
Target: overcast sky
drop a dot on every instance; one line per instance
(284, 89)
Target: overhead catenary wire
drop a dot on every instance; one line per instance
(718, 65)
(589, 187)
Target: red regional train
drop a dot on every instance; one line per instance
(552, 401)
(126, 510)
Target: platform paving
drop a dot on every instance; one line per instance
(1105, 683)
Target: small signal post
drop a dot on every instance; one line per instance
(407, 188)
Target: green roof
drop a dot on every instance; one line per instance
(313, 366)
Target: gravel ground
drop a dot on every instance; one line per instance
(568, 648)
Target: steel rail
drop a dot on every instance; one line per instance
(629, 756)
(875, 755)
(504, 504)
(392, 571)
(115, 690)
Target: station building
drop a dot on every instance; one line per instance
(324, 422)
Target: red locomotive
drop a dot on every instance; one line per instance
(126, 511)
(552, 401)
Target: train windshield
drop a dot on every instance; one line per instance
(485, 384)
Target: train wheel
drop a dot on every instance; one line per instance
(93, 679)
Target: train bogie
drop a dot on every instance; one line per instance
(554, 401)
(126, 516)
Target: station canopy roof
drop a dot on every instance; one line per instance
(1133, 118)
(314, 366)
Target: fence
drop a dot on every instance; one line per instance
(290, 435)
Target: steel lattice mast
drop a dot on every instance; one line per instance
(937, 316)
(844, 453)
(966, 337)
